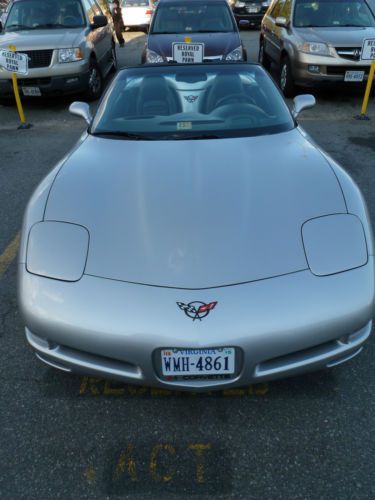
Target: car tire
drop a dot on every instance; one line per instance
(286, 80)
(263, 59)
(95, 83)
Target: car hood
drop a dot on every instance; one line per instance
(337, 36)
(41, 39)
(195, 214)
(215, 44)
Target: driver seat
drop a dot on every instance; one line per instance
(156, 97)
(223, 85)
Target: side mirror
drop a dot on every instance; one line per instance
(99, 22)
(244, 23)
(301, 102)
(81, 109)
(281, 22)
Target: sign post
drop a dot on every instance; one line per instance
(368, 54)
(16, 63)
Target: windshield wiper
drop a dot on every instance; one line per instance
(48, 25)
(194, 137)
(211, 31)
(312, 26)
(121, 133)
(18, 27)
(166, 33)
(353, 25)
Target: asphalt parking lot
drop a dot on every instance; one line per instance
(65, 436)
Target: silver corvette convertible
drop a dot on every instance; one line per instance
(196, 238)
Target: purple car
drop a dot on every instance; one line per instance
(193, 31)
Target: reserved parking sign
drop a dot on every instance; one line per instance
(14, 62)
(368, 50)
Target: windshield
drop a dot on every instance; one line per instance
(45, 14)
(193, 17)
(329, 13)
(192, 102)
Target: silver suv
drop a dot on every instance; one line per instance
(315, 41)
(70, 45)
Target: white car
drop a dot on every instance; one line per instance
(137, 13)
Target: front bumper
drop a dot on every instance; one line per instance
(331, 70)
(281, 326)
(48, 86)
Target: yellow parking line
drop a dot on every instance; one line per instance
(7, 257)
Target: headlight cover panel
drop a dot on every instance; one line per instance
(57, 250)
(334, 243)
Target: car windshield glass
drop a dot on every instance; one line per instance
(192, 17)
(45, 14)
(192, 102)
(330, 13)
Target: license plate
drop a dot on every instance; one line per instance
(354, 76)
(34, 91)
(253, 10)
(218, 361)
(188, 52)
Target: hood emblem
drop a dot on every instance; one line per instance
(190, 98)
(196, 310)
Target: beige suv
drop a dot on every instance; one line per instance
(70, 45)
(316, 41)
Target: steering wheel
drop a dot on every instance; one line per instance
(70, 20)
(234, 98)
(235, 111)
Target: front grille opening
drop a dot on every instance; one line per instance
(297, 357)
(352, 53)
(98, 361)
(39, 58)
(24, 82)
(341, 70)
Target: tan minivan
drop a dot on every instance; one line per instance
(70, 46)
(316, 41)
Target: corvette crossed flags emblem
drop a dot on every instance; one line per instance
(196, 310)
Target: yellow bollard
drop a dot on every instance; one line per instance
(370, 79)
(17, 96)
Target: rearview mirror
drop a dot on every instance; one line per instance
(98, 22)
(281, 22)
(81, 109)
(301, 102)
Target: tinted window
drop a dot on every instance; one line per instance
(193, 17)
(45, 14)
(193, 102)
(332, 13)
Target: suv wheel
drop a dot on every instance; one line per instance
(286, 80)
(95, 83)
(263, 59)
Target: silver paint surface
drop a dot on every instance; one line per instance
(187, 217)
(207, 213)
